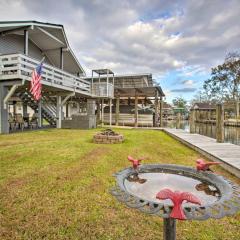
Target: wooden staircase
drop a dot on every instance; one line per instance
(48, 106)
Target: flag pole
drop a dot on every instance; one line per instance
(42, 60)
(40, 103)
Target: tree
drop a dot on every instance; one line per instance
(179, 102)
(201, 96)
(224, 84)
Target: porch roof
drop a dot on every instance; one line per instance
(103, 71)
(49, 38)
(140, 92)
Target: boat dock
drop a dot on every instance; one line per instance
(227, 153)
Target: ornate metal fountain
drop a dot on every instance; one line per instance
(176, 192)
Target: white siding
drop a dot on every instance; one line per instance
(15, 44)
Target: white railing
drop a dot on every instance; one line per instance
(126, 119)
(103, 90)
(19, 66)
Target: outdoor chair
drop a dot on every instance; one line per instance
(33, 123)
(11, 121)
(19, 121)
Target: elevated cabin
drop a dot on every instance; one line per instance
(23, 45)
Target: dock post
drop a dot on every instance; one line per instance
(192, 121)
(237, 110)
(220, 123)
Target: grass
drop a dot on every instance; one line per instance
(54, 184)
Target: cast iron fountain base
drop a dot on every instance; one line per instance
(138, 189)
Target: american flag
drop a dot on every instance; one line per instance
(36, 86)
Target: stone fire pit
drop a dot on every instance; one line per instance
(108, 136)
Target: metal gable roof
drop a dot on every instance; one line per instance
(49, 38)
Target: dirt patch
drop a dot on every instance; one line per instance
(85, 163)
(16, 183)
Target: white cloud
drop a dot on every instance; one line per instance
(188, 83)
(135, 36)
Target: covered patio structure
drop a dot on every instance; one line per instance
(131, 89)
(150, 94)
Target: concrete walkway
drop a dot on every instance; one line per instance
(227, 153)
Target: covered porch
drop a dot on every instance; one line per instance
(134, 106)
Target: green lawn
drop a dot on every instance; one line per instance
(54, 184)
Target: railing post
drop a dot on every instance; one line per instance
(18, 66)
(220, 123)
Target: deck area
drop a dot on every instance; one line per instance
(227, 153)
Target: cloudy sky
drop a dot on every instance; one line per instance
(177, 41)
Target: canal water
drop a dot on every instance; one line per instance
(232, 134)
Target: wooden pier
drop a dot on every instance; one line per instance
(227, 153)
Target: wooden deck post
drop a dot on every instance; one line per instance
(59, 112)
(4, 125)
(161, 113)
(220, 123)
(40, 113)
(61, 59)
(110, 112)
(102, 118)
(117, 111)
(24, 106)
(136, 112)
(25, 42)
(192, 121)
(156, 109)
(98, 112)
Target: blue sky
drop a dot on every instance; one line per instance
(178, 41)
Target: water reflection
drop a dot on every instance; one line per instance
(232, 134)
(154, 182)
(208, 189)
(135, 178)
